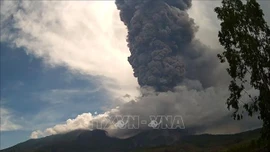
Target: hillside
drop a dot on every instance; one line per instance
(148, 141)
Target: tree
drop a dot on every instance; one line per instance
(245, 37)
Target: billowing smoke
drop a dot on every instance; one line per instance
(202, 110)
(185, 74)
(161, 41)
(164, 55)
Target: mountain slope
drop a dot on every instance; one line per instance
(99, 141)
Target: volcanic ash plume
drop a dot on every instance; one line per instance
(159, 32)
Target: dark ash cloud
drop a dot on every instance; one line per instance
(161, 42)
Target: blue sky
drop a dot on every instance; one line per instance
(61, 59)
(61, 65)
(39, 96)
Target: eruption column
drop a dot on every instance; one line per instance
(159, 31)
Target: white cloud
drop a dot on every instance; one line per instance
(204, 16)
(82, 121)
(85, 36)
(7, 123)
(36, 134)
(88, 37)
(203, 109)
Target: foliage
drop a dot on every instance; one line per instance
(245, 36)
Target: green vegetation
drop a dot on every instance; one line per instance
(245, 36)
